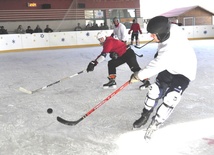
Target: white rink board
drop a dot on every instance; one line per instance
(10, 42)
(82, 38)
(35, 40)
(62, 39)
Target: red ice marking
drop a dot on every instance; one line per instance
(210, 141)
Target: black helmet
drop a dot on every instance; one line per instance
(160, 26)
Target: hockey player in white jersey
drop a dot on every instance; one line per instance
(119, 31)
(175, 65)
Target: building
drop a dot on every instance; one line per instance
(193, 15)
(64, 15)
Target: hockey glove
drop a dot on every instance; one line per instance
(145, 84)
(113, 55)
(134, 78)
(91, 66)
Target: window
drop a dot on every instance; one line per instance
(89, 14)
(125, 15)
(95, 18)
(188, 21)
(122, 13)
(99, 14)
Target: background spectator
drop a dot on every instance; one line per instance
(88, 27)
(95, 27)
(101, 26)
(78, 28)
(37, 29)
(47, 29)
(3, 30)
(29, 30)
(20, 30)
(105, 26)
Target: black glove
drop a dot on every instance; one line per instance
(145, 84)
(113, 55)
(91, 66)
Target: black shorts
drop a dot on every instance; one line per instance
(172, 82)
(129, 57)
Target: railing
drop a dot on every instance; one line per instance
(41, 14)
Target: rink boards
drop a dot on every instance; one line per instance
(69, 39)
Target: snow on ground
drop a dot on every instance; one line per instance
(27, 129)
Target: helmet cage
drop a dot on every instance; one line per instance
(101, 35)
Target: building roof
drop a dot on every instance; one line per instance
(180, 11)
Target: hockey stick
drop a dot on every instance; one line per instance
(139, 47)
(72, 123)
(128, 46)
(31, 92)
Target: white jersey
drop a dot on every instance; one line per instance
(174, 55)
(120, 32)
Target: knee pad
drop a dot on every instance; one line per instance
(151, 97)
(166, 108)
(154, 91)
(163, 112)
(149, 103)
(172, 98)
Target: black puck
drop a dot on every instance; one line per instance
(49, 110)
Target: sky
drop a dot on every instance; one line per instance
(155, 7)
(27, 129)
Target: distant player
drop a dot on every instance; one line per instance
(135, 29)
(119, 30)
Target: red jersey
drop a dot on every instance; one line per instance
(135, 28)
(114, 45)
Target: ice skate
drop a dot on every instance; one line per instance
(151, 129)
(137, 44)
(111, 84)
(143, 119)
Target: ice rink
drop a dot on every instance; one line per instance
(27, 129)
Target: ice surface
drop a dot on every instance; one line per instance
(27, 129)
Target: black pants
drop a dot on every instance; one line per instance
(134, 35)
(168, 82)
(129, 57)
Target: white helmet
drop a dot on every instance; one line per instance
(101, 35)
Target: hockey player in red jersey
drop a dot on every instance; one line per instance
(135, 29)
(119, 54)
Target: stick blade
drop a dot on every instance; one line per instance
(25, 90)
(139, 47)
(66, 122)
